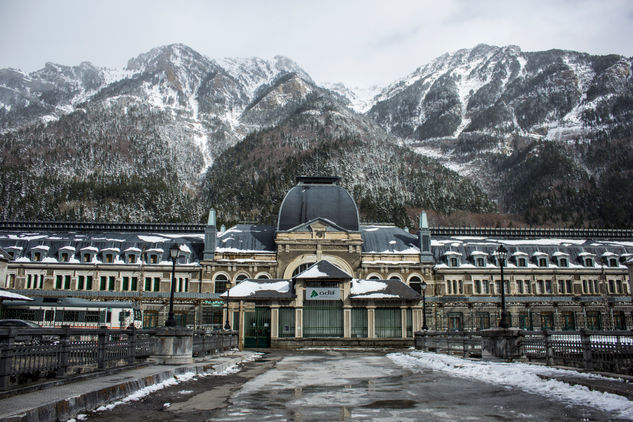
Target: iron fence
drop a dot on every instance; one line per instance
(608, 351)
(205, 343)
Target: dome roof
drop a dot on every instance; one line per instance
(318, 197)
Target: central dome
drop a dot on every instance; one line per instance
(318, 197)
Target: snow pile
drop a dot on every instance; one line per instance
(518, 375)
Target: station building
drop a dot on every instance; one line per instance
(319, 276)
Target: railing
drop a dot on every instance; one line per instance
(215, 342)
(33, 354)
(28, 354)
(462, 343)
(608, 351)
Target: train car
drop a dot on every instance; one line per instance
(74, 312)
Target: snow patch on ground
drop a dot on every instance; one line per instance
(518, 375)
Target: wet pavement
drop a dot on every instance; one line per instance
(341, 385)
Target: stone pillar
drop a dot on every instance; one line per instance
(298, 322)
(371, 322)
(347, 321)
(403, 319)
(501, 344)
(174, 346)
(274, 321)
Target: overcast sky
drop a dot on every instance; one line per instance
(359, 43)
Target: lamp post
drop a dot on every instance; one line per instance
(227, 325)
(174, 251)
(502, 254)
(423, 286)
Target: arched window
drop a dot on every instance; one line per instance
(263, 277)
(221, 283)
(301, 268)
(416, 284)
(395, 277)
(240, 278)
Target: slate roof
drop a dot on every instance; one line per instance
(388, 239)
(382, 290)
(323, 270)
(247, 237)
(549, 248)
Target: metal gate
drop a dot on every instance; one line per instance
(257, 328)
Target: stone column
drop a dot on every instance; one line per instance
(174, 346)
(298, 322)
(501, 344)
(347, 321)
(371, 321)
(274, 321)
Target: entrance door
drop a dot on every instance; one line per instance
(257, 328)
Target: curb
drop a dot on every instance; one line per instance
(69, 408)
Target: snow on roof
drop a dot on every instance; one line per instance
(90, 248)
(360, 287)
(250, 287)
(42, 247)
(132, 250)
(153, 239)
(67, 248)
(478, 253)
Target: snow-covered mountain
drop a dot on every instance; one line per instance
(547, 135)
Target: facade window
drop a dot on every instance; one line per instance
(455, 321)
(477, 287)
(64, 257)
(613, 262)
(611, 286)
(562, 262)
(525, 321)
(263, 277)
(568, 320)
(542, 262)
(481, 262)
(58, 282)
(564, 286)
(67, 282)
(590, 287)
(109, 258)
(125, 283)
(85, 257)
(540, 287)
(588, 262)
(183, 284)
(240, 278)
(618, 286)
(221, 284)
(594, 320)
(416, 284)
(548, 287)
(528, 286)
(482, 320)
(455, 287)
(151, 284)
(131, 259)
(301, 268)
(519, 284)
(454, 262)
(37, 256)
(619, 320)
(522, 262)
(102, 283)
(547, 320)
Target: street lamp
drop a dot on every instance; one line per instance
(423, 286)
(502, 254)
(227, 326)
(174, 251)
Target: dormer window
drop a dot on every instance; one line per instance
(37, 256)
(522, 262)
(131, 259)
(38, 253)
(453, 259)
(64, 257)
(588, 262)
(481, 262)
(542, 262)
(612, 262)
(563, 262)
(109, 258)
(86, 257)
